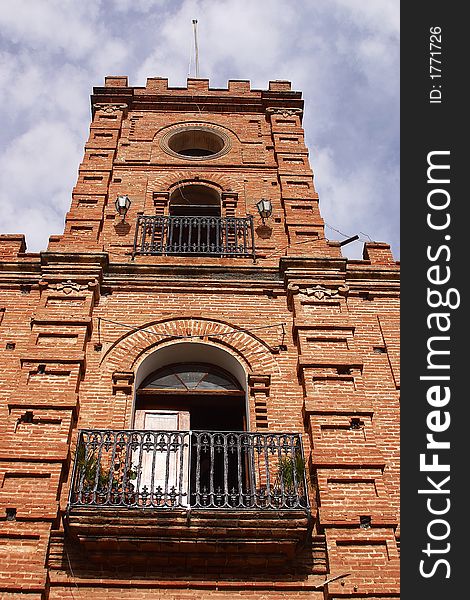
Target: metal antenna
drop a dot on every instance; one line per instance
(195, 47)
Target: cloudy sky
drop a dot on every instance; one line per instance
(342, 54)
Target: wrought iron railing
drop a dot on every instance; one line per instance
(189, 469)
(219, 236)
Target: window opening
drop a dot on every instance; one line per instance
(196, 142)
(195, 222)
(195, 200)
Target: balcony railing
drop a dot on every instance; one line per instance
(214, 236)
(189, 469)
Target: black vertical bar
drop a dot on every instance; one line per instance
(305, 473)
(111, 470)
(266, 467)
(281, 482)
(98, 469)
(180, 236)
(144, 233)
(208, 234)
(252, 236)
(197, 501)
(163, 226)
(154, 462)
(190, 231)
(241, 500)
(227, 236)
(170, 241)
(235, 236)
(254, 473)
(165, 234)
(218, 244)
(137, 438)
(295, 475)
(211, 475)
(434, 186)
(152, 238)
(75, 472)
(136, 236)
(225, 451)
(198, 237)
(245, 225)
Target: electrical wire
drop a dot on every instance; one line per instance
(346, 235)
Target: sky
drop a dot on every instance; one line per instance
(342, 54)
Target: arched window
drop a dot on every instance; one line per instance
(195, 225)
(195, 200)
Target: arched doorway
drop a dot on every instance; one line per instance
(195, 225)
(196, 401)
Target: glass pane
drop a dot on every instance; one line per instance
(166, 381)
(191, 377)
(214, 381)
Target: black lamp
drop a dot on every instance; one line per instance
(122, 205)
(265, 208)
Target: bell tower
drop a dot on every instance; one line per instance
(196, 152)
(200, 395)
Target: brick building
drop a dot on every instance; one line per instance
(199, 393)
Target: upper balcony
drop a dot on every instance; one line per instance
(195, 236)
(201, 491)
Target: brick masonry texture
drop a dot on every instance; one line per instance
(316, 335)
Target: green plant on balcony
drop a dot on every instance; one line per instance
(89, 471)
(93, 476)
(291, 474)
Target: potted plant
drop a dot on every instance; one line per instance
(90, 476)
(290, 477)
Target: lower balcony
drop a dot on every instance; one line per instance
(189, 491)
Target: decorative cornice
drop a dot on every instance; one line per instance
(319, 292)
(110, 108)
(69, 286)
(285, 112)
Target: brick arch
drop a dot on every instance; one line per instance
(171, 180)
(129, 352)
(135, 345)
(209, 124)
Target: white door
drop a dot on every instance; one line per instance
(162, 459)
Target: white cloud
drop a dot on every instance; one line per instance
(35, 189)
(140, 6)
(353, 200)
(51, 25)
(380, 16)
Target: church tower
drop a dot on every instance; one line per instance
(199, 393)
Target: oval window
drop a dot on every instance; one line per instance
(196, 143)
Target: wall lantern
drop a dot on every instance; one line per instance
(265, 208)
(122, 205)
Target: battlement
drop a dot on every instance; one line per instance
(160, 84)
